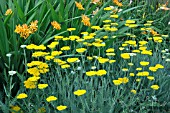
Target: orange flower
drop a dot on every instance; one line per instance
(85, 20)
(117, 3)
(56, 25)
(79, 5)
(33, 26)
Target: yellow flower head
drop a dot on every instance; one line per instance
(133, 91)
(155, 87)
(91, 73)
(15, 108)
(22, 95)
(117, 82)
(51, 98)
(125, 56)
(81, 50)
(8, 12)
(144, 63)
(42, 86)
(101, 72)
(65, 48)
(61, 107)
(110, 50)
(79, 92)
(72, 60)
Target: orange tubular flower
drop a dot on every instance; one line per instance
(85, 20)
(56, 25)
(79, 5)
(117, 3)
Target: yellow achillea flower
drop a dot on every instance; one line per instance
(22, 96)
(81, 50)
(103, 60)
(79, 5)
(159, 66)
(101, 72)
(79, 92)
(99, 44)
(112, 61)
(58, 37)
(16, 109)
(125, 56)
(144, 73)
(110, 54)
(56, 25)
(48, 57)
(42, 86)
(107, 8)
(110, 50)
(8, 12)
(71, 29)
(96, 27)
(56, 53)
(130, 21)
(144, 63)
(133, 91)
(146, 52)
(132, 74)
(71, 60)
(150, 77)
(85, 20)
(117, 3)
(35, 47)
(117, 82)
(51, 98)
(65, 66)
(91, 73)
(30, 84)
(114, 16)
(124, 80)
(89, 58)
(138, 80)
(61, 107)
(33, 71)
(153, 69)
(53, 45)
(65, 48)
(155, 87)
(39, 54)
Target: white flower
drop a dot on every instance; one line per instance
(72, 72)
(12, 72)
(166, 49)
(79, 68)
(132, 54)
(23, 46)
(78, 60)
(169, 23)
(154, 98)
(8, 55)
(168, 60)
(93, 67)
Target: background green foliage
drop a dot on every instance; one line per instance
(66, 13)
